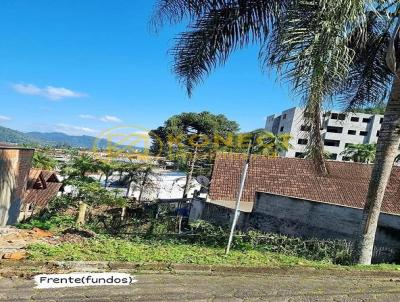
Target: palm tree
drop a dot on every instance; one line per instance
(146, 179)
(132, 171)
(272, 144)
(80, 165)
(326, 49)
(218, 27)
(43, 161)
(360, 153)
(107, 169)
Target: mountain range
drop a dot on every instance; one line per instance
(50, 139)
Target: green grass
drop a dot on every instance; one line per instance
(122, 250)
(54, 223)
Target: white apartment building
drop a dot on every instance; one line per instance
(338, 129)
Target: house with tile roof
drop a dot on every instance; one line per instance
(42, 187)
(287, 195)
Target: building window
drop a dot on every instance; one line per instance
(366, 120)
(332, 143)
(282, 128)
(377, 133)
(338, 116)
(355, 119)
(302, 141)
(299, 155)
(381, 120)
(363, 133)
(352, 132)
(333, 156)
(346, 158)
(305, 128)
(284, 116)
(334, 129)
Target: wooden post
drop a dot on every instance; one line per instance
(123, 213)
(82, 213)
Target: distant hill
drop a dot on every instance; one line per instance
(15, 137)
(61, 139)
(53, 139)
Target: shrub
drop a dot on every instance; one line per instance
(48, 223)
(333, 251)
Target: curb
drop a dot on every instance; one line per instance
(28, 268)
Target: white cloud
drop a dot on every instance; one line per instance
(50, 92)
(87, 116)
(110, 118)
(4, 118)
(74, 130)
(105, 118)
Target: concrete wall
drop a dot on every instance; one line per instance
(216, 214)
(14, 169)
(296, 217)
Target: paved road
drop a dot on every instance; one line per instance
(278, 286)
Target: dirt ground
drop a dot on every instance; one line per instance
(13, 241)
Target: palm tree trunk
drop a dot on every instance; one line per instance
(387, 149)
(143, 185)
(128, 188)
(106, 181)
(316, 144)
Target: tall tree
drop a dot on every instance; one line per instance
(189, 139)
(217, 28)
(325, 48)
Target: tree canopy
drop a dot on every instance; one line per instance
(182, 134)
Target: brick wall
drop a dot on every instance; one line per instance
(14, 169)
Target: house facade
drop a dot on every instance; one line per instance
(338, 130)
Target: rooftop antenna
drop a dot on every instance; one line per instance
(242, 183)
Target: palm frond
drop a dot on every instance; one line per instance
(369, 78)
(310, 45)
(309, 48)
(174, 11)
(218, 32)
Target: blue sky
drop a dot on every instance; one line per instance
(81, 67)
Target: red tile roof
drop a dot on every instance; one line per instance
(346, 184)
(42, 187)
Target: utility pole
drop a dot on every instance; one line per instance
(241, 187)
